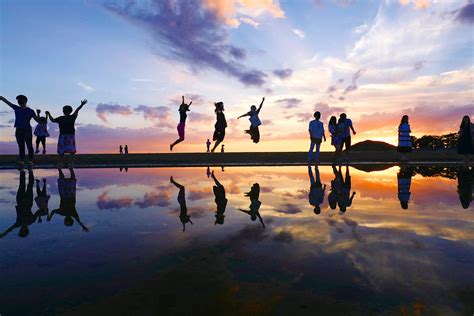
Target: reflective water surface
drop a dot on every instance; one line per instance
(246, 240)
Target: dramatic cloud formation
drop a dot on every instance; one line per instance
(283, 73)
(161, 199)
(194, 34)
(104, 202)
(104, 109)
(289, 103)
(466, 14)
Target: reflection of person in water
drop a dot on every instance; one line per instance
(336, 185)
(221, 201)
(316, 191)
(42, 199)
(67, 203)
(24, 203)
(183, 214)
(404, 183)
(465, 177)
(254, 203)
(345, 197)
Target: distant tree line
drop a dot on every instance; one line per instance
(448, 141)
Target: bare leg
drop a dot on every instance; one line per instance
(215, 145)
(179, 140)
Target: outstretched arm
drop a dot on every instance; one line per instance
(261, 219)
(9, 229)
(13, 106)
(261, 104)
(51, 118)
(246, 114)
(83, 102)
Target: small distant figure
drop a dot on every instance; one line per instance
(67, 132)
(220, 199)
(254, 122)
(126, 149)
(316, 190)
(23, 135)
(42, 200)
(120, 149)
(316, 135)
(222, 149)
(67, 203)
(220, 126)
(41, 132)
(336, 139)
(346, 127)
(404, 183)
(404, 139)
(465, 145)
(208, 145)
(183, 214)
(254, 204)
(183, 108)
(208, 172)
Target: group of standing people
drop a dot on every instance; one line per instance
(123, 150)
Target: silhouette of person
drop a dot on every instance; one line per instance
(465, 177)
(120, 149)
(465, 146)
(42, 200)
(404, 183)
(221, 201)
(183, 108)
(346, 132)
(67, 132)
(336, 139)
(222, 149)
(254, 121)
(23, 133)
(336, 187)
(255, 204)
(208, 145)
(316, 190)
(41, 132)
(24, 203)
(183, 214)
(316, 135)
(208, 172)
(126, 149)
(345, 197)
(220, 126)
(404, 139)
(67, 203)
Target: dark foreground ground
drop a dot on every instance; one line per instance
(233, 159)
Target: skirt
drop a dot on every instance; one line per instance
(66, 144)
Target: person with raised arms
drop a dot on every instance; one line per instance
(183, 108)
(254, 121)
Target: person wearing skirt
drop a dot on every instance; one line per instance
(404, 139)
(465, 145)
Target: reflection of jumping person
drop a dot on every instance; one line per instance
(41, 132)
(345, 198)
(254, 122)
(465, 177)
(220, 126)
(183, 214)
(67, 203)
(42, 200)
(404, 183)
(316, 190)
(24, 203)
(183, 108)
(254, 203)
(221, 201)
(67, 132)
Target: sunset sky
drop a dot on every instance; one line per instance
(374, 60)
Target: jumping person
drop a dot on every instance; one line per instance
(346, 132)
(335, 137)
(220, 126)
(220, 199)
(254, 122)
(183, 108)
(67, 137)
(404, 140)
(41, 131)
(316, 135)
(183, 214)
(23, 135)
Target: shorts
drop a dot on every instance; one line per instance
(66, 144)
(254, 134)
(67, 188)
(219, 135)
(180, 129)
(346, 141)
(316, 140)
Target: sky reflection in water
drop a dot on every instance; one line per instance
(384, 241)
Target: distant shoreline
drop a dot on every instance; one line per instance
(389, 157)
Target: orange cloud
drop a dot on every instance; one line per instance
(419, 4)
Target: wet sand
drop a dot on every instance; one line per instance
(234, 159)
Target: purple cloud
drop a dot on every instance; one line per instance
(283, 73)
(289, 103)
(160, 199)
(354, 85)
(191, 34)
(104, 202)
(155, 113)
(466, 14)
(104, 109)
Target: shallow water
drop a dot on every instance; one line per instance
(119, 242)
